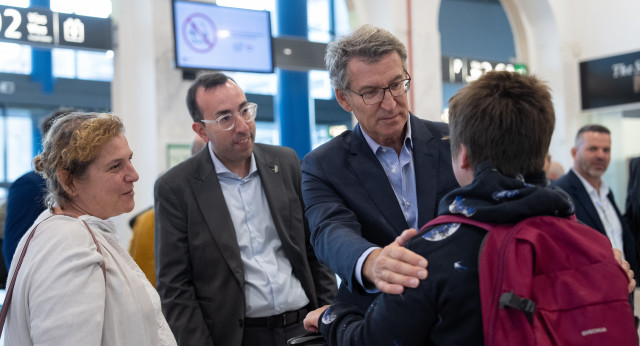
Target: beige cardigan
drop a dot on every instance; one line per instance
(60, 297)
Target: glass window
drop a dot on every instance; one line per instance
(320, 85)
(95, 65)
(318, 20)
(19, 143)
(15, 58)
(267, 133)
(93, 8)
(256, 83)
(64, 63)
(82, 64)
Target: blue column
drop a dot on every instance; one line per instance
(41, 65)
(292, 104)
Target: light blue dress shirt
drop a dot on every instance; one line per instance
(401, 174)
(270, 286)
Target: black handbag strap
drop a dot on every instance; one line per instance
(7, 299)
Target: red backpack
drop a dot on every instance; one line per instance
(550, 281)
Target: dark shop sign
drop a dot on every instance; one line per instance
(465, 70)
(41, 27)
(610, 81)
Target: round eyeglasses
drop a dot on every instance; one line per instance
(227, 121)
(396, 89)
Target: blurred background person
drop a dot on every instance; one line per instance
(593, 199)
(25, 200)
(632, 205)
(63, 295)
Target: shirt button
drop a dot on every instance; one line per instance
(393, 170)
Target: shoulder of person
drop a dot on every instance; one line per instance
(61, 230)
(437, 128)
(333, 148)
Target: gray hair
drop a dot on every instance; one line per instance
(367, 43)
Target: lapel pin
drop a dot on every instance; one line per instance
(275, 168)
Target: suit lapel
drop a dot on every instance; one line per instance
(371, 174)
(585, 201)
(270, 172)
(208, 193)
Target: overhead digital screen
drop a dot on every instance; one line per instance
(214, 37)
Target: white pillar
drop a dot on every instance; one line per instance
(134, 96)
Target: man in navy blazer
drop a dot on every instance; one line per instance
(594, 202)
(365, 187)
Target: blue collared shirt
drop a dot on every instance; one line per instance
(270, 286)
(402, 177)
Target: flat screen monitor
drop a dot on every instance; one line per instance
(214, 37)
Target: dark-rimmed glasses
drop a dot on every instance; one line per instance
(377, 95)
(227, 121)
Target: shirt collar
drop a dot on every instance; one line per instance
(604, 188)
(221, 169)
(375, 146)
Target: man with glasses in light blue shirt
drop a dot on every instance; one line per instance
(364, 188)
(233, 258)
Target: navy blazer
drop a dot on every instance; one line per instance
(350, 203)
(587, 213)
(632, 213)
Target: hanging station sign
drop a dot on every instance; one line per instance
(41, 27)
(465, 70)
(610, 81)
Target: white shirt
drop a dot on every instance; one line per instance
(606, 211)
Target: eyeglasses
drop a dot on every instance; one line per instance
(377, 95)
(227, 121)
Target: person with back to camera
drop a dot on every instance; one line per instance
(367, 186)
(501, 127)
(76, 285)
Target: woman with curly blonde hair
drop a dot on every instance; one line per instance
(75, 285)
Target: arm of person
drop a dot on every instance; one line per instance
(66, 286)
(324, 279)
(336, 236)
(627, 269)
(173, 269)
(395, 267)
(393, 320)
(24, 204)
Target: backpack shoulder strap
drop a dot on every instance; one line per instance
(442, 219)
(7, 299)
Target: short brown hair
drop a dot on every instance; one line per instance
(72, 144)
(503, 118)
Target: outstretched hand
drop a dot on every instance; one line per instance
(310, 322)
(627, 268)
(394, 267)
